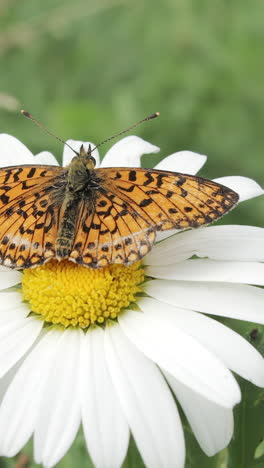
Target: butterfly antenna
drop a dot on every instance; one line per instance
(150, 117)
(29, 116)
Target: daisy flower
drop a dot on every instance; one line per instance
(108, 349)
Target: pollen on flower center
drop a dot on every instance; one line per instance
(72, 295)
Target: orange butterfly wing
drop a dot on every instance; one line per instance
(29, 217)
(132, 204)
(111, 233)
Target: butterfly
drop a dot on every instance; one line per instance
(98, 216)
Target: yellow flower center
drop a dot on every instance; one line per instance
(72, 295)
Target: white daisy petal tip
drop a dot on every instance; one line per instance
(202, 415)
(186, 162)
(14, 152)
(45, 157)
(245, 187)
(128, 151)
(69, 153)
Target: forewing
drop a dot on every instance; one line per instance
(29, 214)
(133, 204)
(170, 200)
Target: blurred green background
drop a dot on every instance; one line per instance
(88, 69)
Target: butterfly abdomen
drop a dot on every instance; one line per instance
(66, 232)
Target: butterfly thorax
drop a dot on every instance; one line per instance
(80, 172)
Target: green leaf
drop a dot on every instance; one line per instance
(259, 452)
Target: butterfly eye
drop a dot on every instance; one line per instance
(90, 163)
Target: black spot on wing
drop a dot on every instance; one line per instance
(149, 178)
(145, 202)
(132, 176)
(126, 189)
(31, 172)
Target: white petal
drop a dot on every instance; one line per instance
(180, 354)
(21, 401)
(45, 157)
(161, 235)
(13, 315)
(146, 401)
(16, 337)
(4, 268)
(210, 270)
(212, 424)
(105, 428)
(68, 154)
(9, 278)
(185, 162)
(58, 418)
(127, 152)
(7, 379)
(13, 152)
(245, 187)
(12, 300)
(242, 243)
(233, 350)
(237, 301)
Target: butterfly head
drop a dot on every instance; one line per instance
(83, 160)
(87, 158)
